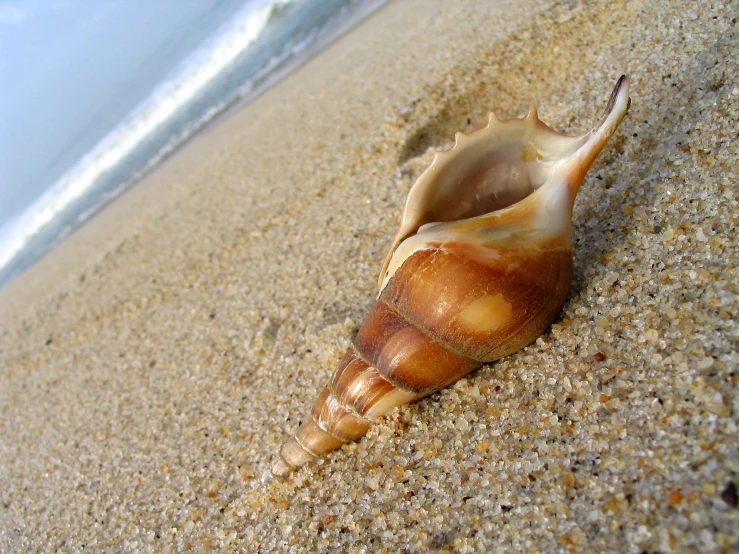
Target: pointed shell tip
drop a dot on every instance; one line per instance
(280, 468)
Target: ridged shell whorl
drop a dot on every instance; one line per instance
(479, 268)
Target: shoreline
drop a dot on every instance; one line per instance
(154, 362)
(261, 86)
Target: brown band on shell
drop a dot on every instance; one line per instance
(414, 361)
(315, 440)
(482, 309)
(357, 384)
(336, 419)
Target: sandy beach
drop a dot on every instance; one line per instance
(151, 366)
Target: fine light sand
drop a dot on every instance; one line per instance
(151, 366)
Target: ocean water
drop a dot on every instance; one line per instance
(256, 46)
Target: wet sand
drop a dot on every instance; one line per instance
(152, 365)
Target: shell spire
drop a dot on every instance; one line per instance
(479, 268)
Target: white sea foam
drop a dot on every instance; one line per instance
(181, 86)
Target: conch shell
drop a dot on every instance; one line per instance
(478, 269)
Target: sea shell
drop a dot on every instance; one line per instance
(479, 268)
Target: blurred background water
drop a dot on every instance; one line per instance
(93, 95)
